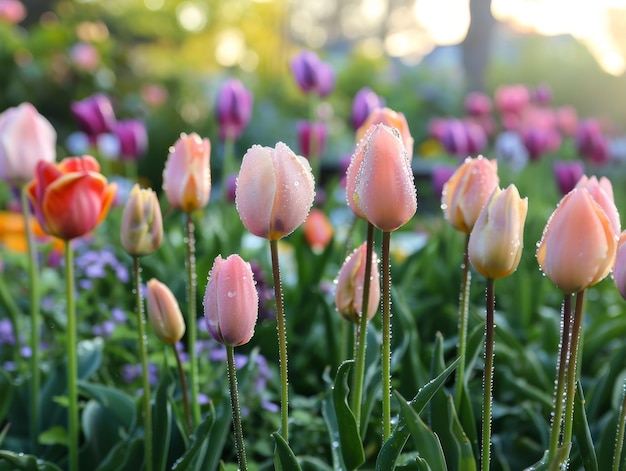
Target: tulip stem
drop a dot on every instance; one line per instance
(191, 321)
(359, 373)
(314, 148)
(386, 334)
(143, 353)
(234, 403)
(619, 439)
(463, 321)
(557, 418)
(282, 342)
(570, 391)
(72, 368)
(490, 328)
(183, 387)
(227, 164)
(33, 278)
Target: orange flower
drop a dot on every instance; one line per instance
(318, 231)
(12, 231)
(392, 119)
(578, 245)
(70, 198)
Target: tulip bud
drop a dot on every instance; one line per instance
(349, 283)
(392, 119)
(133, 138)
(496, 241)
(467, 191)
(312, 74)
(234, 107)
(619, 269)
(567, 175)
(318, 231)
(578, 245)
(141, 232)
(311, 138)
(275, 191)
(164, 313)
(231, 301)
(94, 115)
(365, 101)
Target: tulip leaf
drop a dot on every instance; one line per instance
(116, 402)
(128, 455)
(285, 455)
(22, 462)
(582, 432)
(196, 446)
(464, 451)
(217, 435)
(162, 415)
(426, 441)
(6, 394)
(330, 418)
(349, 437)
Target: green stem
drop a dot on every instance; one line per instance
(619, 439)
(386, 335)
(227, 164)
(572, 370)
(488, 375)
(314, 158)
(191, 320)
(282, 342)
(13, 311)
(143, 354)
(557, 419)
(33, 277)
(234, 403)
(183, 387)
(362, 329)
(463, 321)
(72, 365)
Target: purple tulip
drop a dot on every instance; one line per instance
(308, 131)
(234, 107)
(591, 142)
(312, 74)
(94, 115)
(536, 141)
(543, 94)
(567, 175)
(365, 101)
(325, 79)
(477, 104)
(440, 175)
(462, 138)
(133, 138)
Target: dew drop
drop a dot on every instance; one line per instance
(231, 294)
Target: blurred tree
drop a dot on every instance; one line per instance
(477, 44)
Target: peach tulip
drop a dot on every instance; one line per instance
(379, 181)
(231, 302)
(26, 137)
(392, 119)
(70, 198)
(164, 313)
(318, 232)
(578, 245)
(349, 284)
(187, 173)
(275, 191)
(467, 191)
(496, 242)
(141, 231)
(602, 191)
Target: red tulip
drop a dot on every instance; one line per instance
(70, 198)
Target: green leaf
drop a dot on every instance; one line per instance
(54, 436)
(196, 443)
(22, 462)
(465, 453)
(127, 455)
(426, 441)
(6, 394)
(287, 459)
(217, 435)
(582, 433)
(116, 402)
(162, 415)
(101, 429)
(349, 437)
(330, 418)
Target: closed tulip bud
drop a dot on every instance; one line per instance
(141, 232)
(275, 191)
(311, 138)
(619, 269)
(392, 119)
(231, 301)
(94, 115)
(318, 232)
(312, 74)
(187, 173)
(567, 175)
(496, 242)
(467, 191)
(234, 107)
(602, 191)
(349, 286)
(70, 198)
(26, 137)
(133, 138)
(164, 313)
(379, 180)
(578, 245)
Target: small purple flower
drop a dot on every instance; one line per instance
(567, 175)
(365, 101)
(312, 74)
(133, 138)
(6, 332)
(104, 330)
(311, 138)
(25, 351)
(94, 115)
(131, 372)
(234, 108)
(118, 315)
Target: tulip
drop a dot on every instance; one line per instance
(312, 74)
(70, 198)
(619, 269)
(234, 107)
(567, 175)
(311, 136)
(390, 118)
(496, 241)
(602, 192)
(349, 286)
(537, 141)
(133, 138)
(318, 232)
(440, 175)
(141, 232)
(365, 101)
(379, 182)
(467, 191)
(591, 142)
(511, 99)
(26, 137)
(477, 104)
(463, 138)
(543, 94)
(566, 120)
(578, 245)
(187, 173)
(85, 56)
(275, 191)
(231, 302)
(94, 115)
(12, 11)
(164, 313)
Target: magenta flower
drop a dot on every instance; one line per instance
(12, 11)
(567, 175)
(311, 132)
(94, 115)
(477, 104)
(312, 74)
(365, 101)
(133, 138)
(591, 142)
(234, 108)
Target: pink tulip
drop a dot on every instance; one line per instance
(619, 269)
(350, 281)
(379, 184)
(187, 173)
(164, 312)
(602, 192)
(26, 137)
(275, 191)
(512, 99)
(467, 191)
(477, 104)
(390, 118)
(85, 56)
(496, 241)
(578, 245)
(231, 302)
(12, 11)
